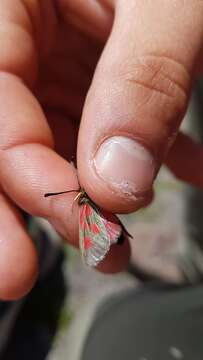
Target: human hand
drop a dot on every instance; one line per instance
(130, 121)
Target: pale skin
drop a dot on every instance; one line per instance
(141, 87)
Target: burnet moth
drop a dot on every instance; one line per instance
(98, 230)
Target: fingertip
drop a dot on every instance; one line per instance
(18, 257)
(110, 197)
(117, 171)
(18, 271)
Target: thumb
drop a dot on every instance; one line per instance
(137, 99)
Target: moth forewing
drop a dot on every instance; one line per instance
(94, 239)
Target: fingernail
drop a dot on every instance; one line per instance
(125, 164)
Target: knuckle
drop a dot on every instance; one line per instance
(165, 83)
(151, 93)
(161, 75)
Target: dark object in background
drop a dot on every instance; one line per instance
(156, 322)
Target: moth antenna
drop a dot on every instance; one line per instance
(78, 196)
(60, 193)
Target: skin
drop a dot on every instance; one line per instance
(49, 52)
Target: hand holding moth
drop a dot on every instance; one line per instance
(136, 60)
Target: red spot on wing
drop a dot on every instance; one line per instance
(87, 243)
(84, 214)
(81, 215)
(88, 210)
(94, 228)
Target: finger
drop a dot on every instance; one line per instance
(29, 168)
(28, 165)
(185, 160)
(18, 260)
(137, 100)
(34, 176)
(22, 122)
(92, 17)
(41, 170)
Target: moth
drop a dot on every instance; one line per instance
(98, 230)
